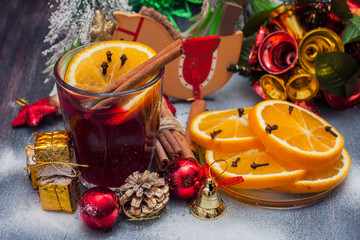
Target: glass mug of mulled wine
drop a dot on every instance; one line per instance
(114, 133)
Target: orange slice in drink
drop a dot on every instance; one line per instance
(317, 181)
(258, 169)
(85, 69)
(294, 135)
(85, 72)
(226, 130)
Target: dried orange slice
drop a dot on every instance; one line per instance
(225, 130)
(294, 135)
(85, 71)
(317, 181)
(233, 164)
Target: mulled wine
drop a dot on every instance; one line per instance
(115, 139)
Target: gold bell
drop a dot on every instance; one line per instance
(273, 87)
(284, 18)
(208, 205)
(302, 86)
(315, 42)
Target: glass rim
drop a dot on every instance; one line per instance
(61, 82)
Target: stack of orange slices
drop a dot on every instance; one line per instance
(275, 144)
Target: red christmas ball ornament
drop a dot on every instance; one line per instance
(99, 208)
(185, 178)
(342, 102)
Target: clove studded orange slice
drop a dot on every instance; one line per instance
(258, 169)
(317, 181)
(294, 135)
(224, 130)
(85, 70)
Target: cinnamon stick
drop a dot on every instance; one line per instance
(197, 107)
(166, 145)
(148, 68)
(157, 165)
(160, 157)
(141, 72)
(173, 143)
(187, 153)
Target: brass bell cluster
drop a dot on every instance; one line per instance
(286, 50)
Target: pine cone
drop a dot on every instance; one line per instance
(146, 192)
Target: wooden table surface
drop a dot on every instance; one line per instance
(23, 26)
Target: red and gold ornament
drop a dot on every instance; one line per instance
(32, 114)
(312, 29)
(99, 208)
(185, 178)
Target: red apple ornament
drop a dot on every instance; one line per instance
(99, 208)
(185, 178)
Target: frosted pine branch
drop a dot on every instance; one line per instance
(71, 22)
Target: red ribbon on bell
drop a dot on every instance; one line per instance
(224, 183)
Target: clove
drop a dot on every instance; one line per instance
(241, 111)
(328, 129)
(269, 128)
(108, 55)
(234, 163)
(123, 59)
(291, 108)
(104, 66)
(255, 165)
(214, 133)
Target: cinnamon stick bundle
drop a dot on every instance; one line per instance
(171, 141)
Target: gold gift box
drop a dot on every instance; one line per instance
(31, 166)
(53, 144)
(58, 193)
